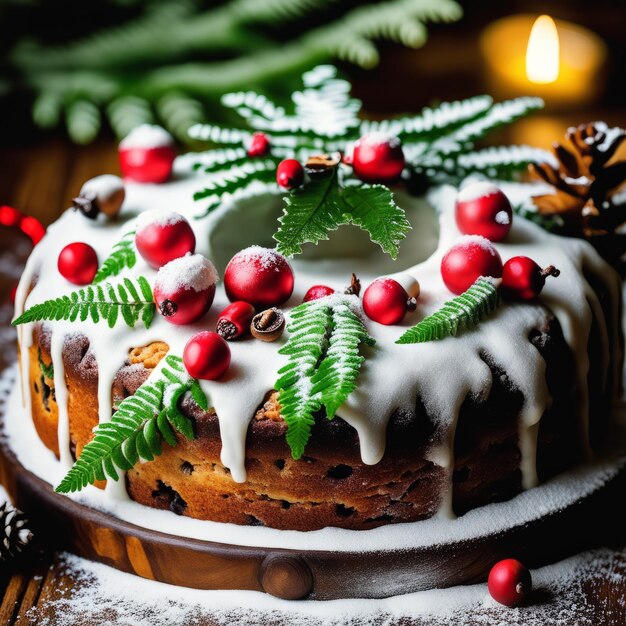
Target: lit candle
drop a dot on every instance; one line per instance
(559, 61)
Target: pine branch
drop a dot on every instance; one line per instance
(138, 427)
(130, 300)
(323, 365)
(122, 256)
(462, 312)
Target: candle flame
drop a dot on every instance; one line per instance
(542, 54)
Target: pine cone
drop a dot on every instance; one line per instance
(588, 181)
(14, 534)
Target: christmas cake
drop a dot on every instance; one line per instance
(185, 343)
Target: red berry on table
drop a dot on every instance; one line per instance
(290, 173)
(386, 301)
(147, 154)
(234, 321)
(523, 279)
(185, 288)
(482, 209)
(509, 582)
(163, 236)
(260, 276)
(259, 145)
(378, 158)
(78, 263)
(206, 356)
(316, 292)
(469, 259)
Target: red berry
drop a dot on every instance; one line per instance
(147, 154)
(482, 209)
(206, 356)
(468, 260)
(378, 158)
(290, 173)
(386, 301)
(185, 288)
(259, 145)
(234, 321)
(523, 279)
(78, 263)
(163, 236)
(260, 276)
(509, 582)
(318, 291)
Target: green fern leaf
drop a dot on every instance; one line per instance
(100, 302)
(462, 312)
(137, 428)
(122, 256)
(323, 365)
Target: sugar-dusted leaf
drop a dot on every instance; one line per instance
(462, 312)
(138, 427)
(373, 208)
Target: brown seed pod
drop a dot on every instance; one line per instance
(268, 325)
(321, 164)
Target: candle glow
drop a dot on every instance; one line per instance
(542, 53)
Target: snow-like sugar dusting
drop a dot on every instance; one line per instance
(265, 258)
(502, 217)
(477, 240)
(147, 136)
(155, 217)
(379, 138)
(102, 187)
(192, 271)
(475, 191)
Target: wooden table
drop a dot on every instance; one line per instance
(42, 182)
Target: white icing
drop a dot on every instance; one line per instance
(192, 271)
(475, 191)
(102, 187)
(440, 373)
(146, 136)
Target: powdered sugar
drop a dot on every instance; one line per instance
(156, 217)
(192, 271)
(502, 217)
(102, 187)
(474, 191)
(379, 138)
(265, 258)
(477, 240)
(147, 136)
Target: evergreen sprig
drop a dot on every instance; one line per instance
(464, 311)
(122, 256)
(128, 301)
(323, 366)
(138, 427)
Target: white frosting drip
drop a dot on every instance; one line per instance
(441, 373)
(57, 342)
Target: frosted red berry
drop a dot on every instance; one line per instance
(163, 237)
(509, 582)
(523, 279)
(259, 276)
(318, 291)
(78, 263)
(290, 174)
(184, 289)
(378, 158)
(234, 321)
(482, 209)
(259, 145)
(386, 301)
(147, 154)
(469, 259)
(206, 356)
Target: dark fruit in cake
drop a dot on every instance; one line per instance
(234, 321)
(290, 173)
(162, 237)
(206, 356)
(102, 194)
(147, 154)
(78, 263)
(509, 582)
(386, 301)
(472, 257)
(482, 209)
(185, 288)
(378, 158)
(260, 276)
(259, 145)
(523, 279)
(318, 291)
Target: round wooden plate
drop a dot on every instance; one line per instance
(290, 574)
